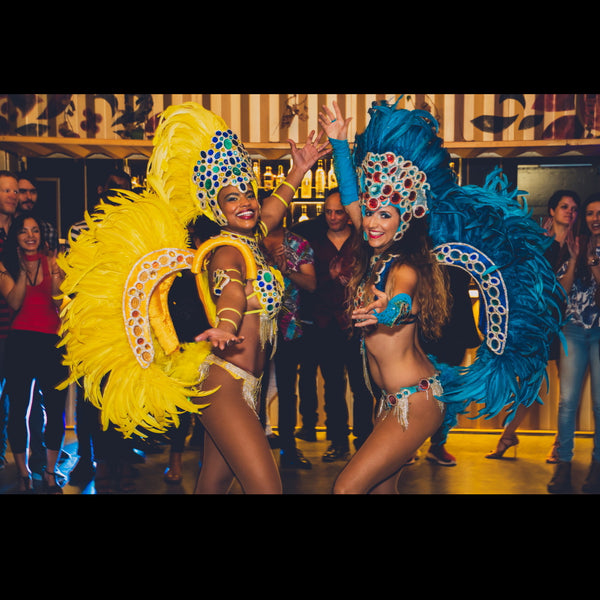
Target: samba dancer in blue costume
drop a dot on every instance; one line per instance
(398, 187)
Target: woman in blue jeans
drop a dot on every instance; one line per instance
(580, 277)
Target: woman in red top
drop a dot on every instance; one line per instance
(30, 281)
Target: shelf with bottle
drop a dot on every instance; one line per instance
(314, 186)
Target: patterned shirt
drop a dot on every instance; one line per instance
(582, 308)
(298, 252)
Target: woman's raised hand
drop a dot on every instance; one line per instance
(333, 122)
(304, 158)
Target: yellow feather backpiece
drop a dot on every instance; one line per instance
(99, 350)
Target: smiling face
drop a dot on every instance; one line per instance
(592, 217)
(380, 226)
(241, 209)
(9, 195)
(29, 237)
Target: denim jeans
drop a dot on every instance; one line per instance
(583, 351)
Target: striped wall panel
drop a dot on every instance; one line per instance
(273, 118)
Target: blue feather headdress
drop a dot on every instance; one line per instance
(488, 232)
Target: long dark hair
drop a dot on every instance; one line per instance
(10, 253)
(414, 249)
(582, 270)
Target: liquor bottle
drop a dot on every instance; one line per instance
(268, 178)
(303, 213)
(331, 178)
(320, 180)
(279, 178)
(306, 185)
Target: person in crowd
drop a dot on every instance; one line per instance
(198, 167)
(28, 204)
(9, 199)
(580, 277)
(396, 269)
(563, 207)
(400, 191)
(236, 444)
(30, 282)
(294, 257)
(103, 456)
(311, 230)
(337, 348)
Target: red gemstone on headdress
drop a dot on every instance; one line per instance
(424, 384)
(396, 197)
(387, 189)
(372, 203)
(419, 211)
(377, 176)
(390, 157)
(408, 182)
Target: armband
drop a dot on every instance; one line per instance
(344, 171)
(397, 312)
(221, 279)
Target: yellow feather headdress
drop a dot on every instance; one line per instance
(195, 155)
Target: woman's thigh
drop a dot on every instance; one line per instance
(390, 446)
(240, 443)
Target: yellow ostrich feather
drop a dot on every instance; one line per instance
(98, 348)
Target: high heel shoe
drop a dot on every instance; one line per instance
(503, 445)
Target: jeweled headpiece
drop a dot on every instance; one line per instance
(195, 155)
(225, 163)
(390, 180)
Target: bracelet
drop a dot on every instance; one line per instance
(289, 185)
(235, 325)
(397, 311)
(235, 310)
(280, 198)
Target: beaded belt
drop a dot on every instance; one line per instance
(398, 402)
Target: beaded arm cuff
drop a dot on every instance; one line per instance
(397, 312)
(344, 171)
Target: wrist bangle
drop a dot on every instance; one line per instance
(235, 325)
(289, 185)
(280, 198)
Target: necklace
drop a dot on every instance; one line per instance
(37, 270)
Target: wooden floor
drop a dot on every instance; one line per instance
(528, 474)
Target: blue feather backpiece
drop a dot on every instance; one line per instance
(488, 231)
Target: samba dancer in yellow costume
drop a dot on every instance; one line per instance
(132, 365)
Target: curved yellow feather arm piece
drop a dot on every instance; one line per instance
(146, 275)
(199, 269)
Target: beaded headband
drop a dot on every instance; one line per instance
(390, 180)
(225, 163)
